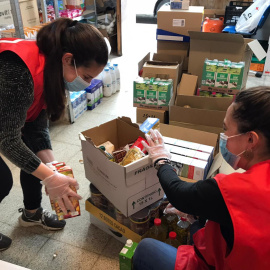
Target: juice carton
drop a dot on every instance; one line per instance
(222, 74)
(126, 255)
(151, 92)
(164, 93)
(209, 72)
(236, 75)
(139, 94)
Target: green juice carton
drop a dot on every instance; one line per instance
(126, 255)
(236, 75)
(222, 74)
(209, 72)
(164, 93)
(151, 92)
(139, 93)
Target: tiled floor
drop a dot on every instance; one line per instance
(80, 245)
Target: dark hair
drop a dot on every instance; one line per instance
(62, 36)
(253, 111)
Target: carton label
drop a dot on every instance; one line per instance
(139, 96)
(144, 198)
(151, 97)
(179, 22)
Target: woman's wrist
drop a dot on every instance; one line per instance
(42, 172)
(160, 162)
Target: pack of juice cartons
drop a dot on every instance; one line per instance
(62, 168)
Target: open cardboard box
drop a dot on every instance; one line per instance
(221, 46)
(130, 188)
(144, 113)
(203, 113)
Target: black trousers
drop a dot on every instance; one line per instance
(31, 186)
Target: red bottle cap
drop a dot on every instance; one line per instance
(172, 235)
(183, 219)
(157, 221)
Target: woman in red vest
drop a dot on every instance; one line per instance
(237, 206)
(33, 78)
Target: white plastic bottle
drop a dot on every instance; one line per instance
(113, 80)
(117, 75)
(107, 82)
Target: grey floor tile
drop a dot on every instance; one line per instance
(68, 257)
(81, 233)
(25, 245)
(106, 263)
(112, 249)
(64, 151)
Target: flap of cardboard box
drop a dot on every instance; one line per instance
(206, 103)
(119, 132)
(188, 85)
(141, 63)
(161, 64)
(187, 134)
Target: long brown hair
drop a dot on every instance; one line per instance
(62, 36)
(253, 111)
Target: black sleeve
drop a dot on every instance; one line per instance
(202, 198)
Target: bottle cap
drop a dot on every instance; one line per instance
(172, 235)
(116, 65)
(183, 219)
(157, 221)
(106, 69)
(129, 243)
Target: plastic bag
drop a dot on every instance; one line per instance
(250, 18)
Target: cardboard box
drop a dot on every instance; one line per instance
(109, 225)
(204, 113)
(174, 25)
(130, 188)
(188, 85)
(29, 12)
(144, 113)
(219, 46)
(179, 4)
(175, 49)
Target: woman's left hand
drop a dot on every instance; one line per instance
(156, 148)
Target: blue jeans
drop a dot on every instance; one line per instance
(153, 254)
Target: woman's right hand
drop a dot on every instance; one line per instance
(58, 188)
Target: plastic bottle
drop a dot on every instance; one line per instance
(113, 80)
(158, 232)
(182, 231)
(171, 240)
(107, 82)
(117, 76)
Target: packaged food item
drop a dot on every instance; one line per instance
(126, 255)
(182, 231)
(149, 123)
(119, 155)
(139, 92)
(209, 72)
(138, 144)
(109, 147)
(66, 170)
(158, 231)
(140, 221)
(98, 199)
(121, 218)
(165, 89)
(151, 92)
(131, 156)
(222, 74)
(108, 155)
(171, 240)
(236, 75)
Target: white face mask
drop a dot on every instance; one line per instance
(78, 84)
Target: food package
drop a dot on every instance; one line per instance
(109, 147)
(149, 123)
(132, 155)
(138, 144)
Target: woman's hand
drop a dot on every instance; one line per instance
(58, 188)
(156, 149)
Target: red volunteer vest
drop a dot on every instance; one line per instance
(247, 197)
(28, 51)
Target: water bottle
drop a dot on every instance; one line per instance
(107, 82)
(113, 80)
(117, 76)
